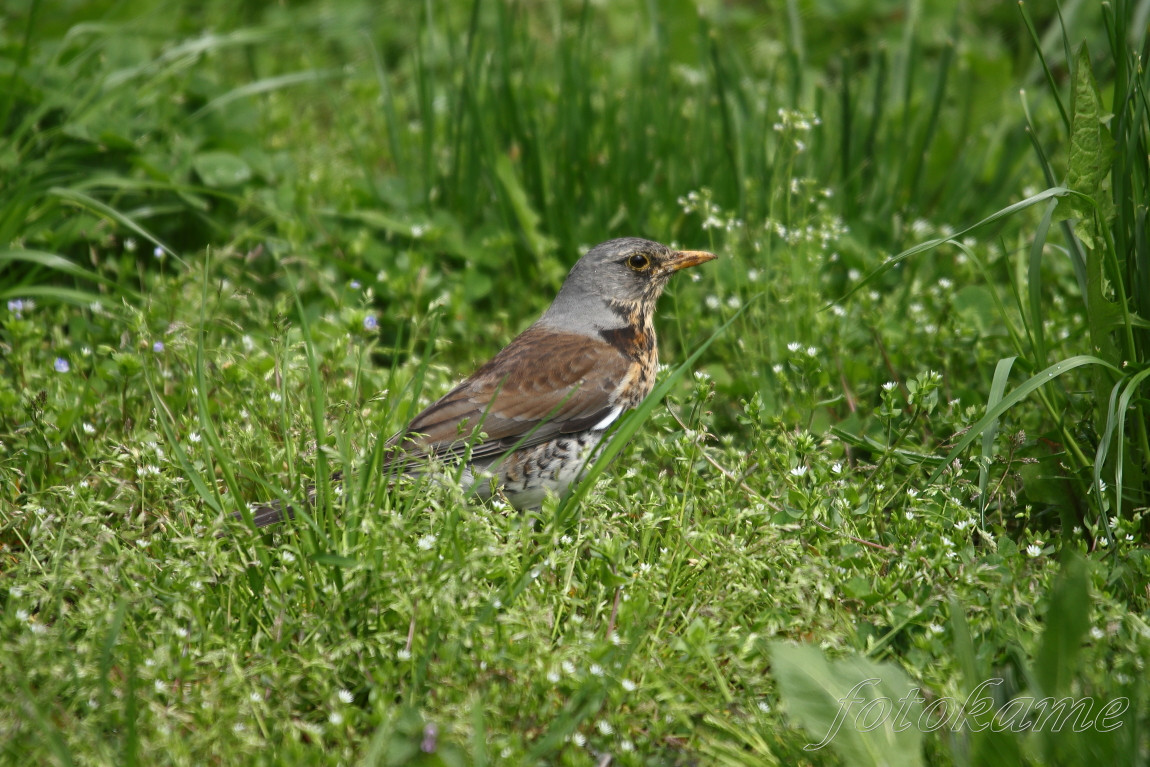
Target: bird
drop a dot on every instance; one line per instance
(528, 421)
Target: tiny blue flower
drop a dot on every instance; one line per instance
(62, 365)
(370, 322)
(158, 347)
(157, 252)
(16, 306)
(355, 285)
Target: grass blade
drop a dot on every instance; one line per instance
(1025, 389)
(997, 386)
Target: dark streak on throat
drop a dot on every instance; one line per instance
(635, 340)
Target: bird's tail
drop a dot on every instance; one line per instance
(271, 513)
(267, 514)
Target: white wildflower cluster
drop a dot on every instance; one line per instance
(826, 232)
(700, 202)
(793, 123)
(796, 120)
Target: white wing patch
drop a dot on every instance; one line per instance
(608, 419)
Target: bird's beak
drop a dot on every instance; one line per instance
(685, 258)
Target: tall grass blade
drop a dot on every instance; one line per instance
(997, 387)
(1010, 400)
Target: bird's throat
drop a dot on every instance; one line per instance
(636, 339)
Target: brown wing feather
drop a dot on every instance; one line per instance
(558, 385)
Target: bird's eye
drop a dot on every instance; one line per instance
(638, 262)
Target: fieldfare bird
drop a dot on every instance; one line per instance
(532, 417)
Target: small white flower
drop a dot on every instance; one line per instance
(335, 718)
(934, 628)
(275, 396)
(604, 727)
(579, 739)
(568, 667)
(1097, 633)
(1034, 550)
(794, 346)
(345, 696)
(627, 685)
(426, 542)
(836, 468)
(403, 655)
(596, 669)
(255, 697)
(799, 471)
(712, 302)
(88, 428)
(889, 385)
(764, 707)
(553, 677)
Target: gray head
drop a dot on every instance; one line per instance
(614, 280)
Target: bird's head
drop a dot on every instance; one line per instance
(616, 279)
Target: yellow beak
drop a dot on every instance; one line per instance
(686, 258)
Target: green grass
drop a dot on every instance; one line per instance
(242, 245)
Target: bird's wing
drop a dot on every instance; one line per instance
(543, 384)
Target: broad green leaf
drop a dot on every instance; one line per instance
(221, 169)
(867, 713)
(1067, 620)
(1091, 155)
